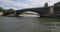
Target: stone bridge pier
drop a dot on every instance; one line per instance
(51, 12)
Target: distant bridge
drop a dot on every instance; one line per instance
(52, 11)
(40, 11)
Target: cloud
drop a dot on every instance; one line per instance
(52, 2)
(42, 2)
(20, 4)
(15, 4)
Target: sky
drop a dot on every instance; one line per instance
(21, 4)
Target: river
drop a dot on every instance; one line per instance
(29, 24)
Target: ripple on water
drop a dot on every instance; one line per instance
(29, 24)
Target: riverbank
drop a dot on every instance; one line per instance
(13, 15)
(1, 13)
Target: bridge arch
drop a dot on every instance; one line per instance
(40, 11)
(29, 14)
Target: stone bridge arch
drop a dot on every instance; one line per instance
(27, 13)
(40, 11)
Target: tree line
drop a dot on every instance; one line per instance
(8, 11)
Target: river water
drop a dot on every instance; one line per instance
(29, 24)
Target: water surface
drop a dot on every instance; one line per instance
(29, 24)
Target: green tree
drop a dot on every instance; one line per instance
(1, 9)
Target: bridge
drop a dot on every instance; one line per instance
(52, 11)
(46, 11)
(40, 11)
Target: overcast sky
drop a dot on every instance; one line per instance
(21, 4)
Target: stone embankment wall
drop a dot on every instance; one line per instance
(1, 13)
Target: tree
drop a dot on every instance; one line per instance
(1, 9)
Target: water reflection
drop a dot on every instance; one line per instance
(29, 24)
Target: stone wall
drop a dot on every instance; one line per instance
(1, 13)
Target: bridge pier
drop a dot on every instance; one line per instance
(51, 12)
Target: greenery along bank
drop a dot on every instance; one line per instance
(4, 12)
